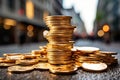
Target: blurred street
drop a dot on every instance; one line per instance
(26, 48)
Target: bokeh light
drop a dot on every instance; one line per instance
(100, 33)
(106, 28)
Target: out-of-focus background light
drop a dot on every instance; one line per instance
(22, 21)
(9, 22)
(29, 9)
(106, 28)
(100, 33)
(30, 28)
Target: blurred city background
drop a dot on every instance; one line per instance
(22, 22)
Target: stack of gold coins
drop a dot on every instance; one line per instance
(60, 43)
(87, 54)
(81, 54)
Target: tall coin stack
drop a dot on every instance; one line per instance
(60, 43)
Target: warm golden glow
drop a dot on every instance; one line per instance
(100, 33)
(30, 34)
(106, 28)
(9, 22)
(30, 28)
(6, 27)
(29, 9)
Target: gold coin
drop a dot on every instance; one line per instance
(67, 31)
(63, 66)
(13, 56)
(100, 54)
(63, 69)
(68, 46)
(108, 53)
(39, 52)
(28, 56)
(26, 62)
(58, 17)
(41, 59)
(20, 68)
(57, 22)
(41, 65)
(58, 49)
(4, 60)
(59, 35)
(87, 49)
(58, 42)
(62, 27)
(59, 58)
(6, 64)
(94, 66)
(59, 53)
(78, 64)
(59, 62)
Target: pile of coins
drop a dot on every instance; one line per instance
(59, 55)
(60, 43)
(89, 58)
(23, 62)
(93, 55)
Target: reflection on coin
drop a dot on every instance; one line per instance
(86, 49)
(94, 66)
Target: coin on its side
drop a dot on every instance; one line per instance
(20, 68)
(6, 64)
(26, 62)
(42, 66)
(58, 69)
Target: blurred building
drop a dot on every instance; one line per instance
(107, 23)
(80, 31)
(22, 20)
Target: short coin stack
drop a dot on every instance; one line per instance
(93, 54)
(60, 44)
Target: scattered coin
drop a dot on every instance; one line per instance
(94, 66)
